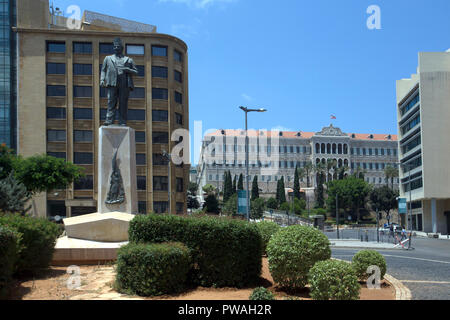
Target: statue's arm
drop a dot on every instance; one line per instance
(103, 73)
(132, 69)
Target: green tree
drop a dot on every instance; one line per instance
(331, 165)
(7, 158)
(384, 199)
(228, 187)
(297, 194)
(359, 173)
(192, 201)
(309, 169)
(241, 182)
(281, 192)
(299, 205)
(352, 193)
(211, 204)
(257, 209)
(341, 172)
(320, 170)
(272, 203)
(230, 207)
(13, 196)
(45, 173)
(255, 189)
(391, 173)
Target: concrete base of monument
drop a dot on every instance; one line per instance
(106, 227)
(83, 252)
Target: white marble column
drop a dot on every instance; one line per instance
(121, 139)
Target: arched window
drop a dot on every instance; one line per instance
(346, 163)
(317, 161)
(340, 148)
(324, 161)
(328, 148)
(334, 148)
(345, 149)
(323, 148)
(317, 148)
(340, 163)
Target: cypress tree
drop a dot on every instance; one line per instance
(297, 194)
(255, 189)
(320, 201)
(282, 191)
(241, 182)
(228, 185)
(235, 184)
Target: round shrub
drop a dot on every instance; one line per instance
(267, 229)
(335, 280)
(225, 252)
(366, 258)
(293, 251)
(37, 243)
(9, 253)
(261, 294)
(152, 269)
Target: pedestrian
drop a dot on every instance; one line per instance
(404, 235)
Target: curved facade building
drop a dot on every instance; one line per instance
(61, 104)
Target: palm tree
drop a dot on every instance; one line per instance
(309, 169)
(331, 164)
(391, 173)
(359, 173)
(301, 173)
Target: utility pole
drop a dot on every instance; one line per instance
(337, 215)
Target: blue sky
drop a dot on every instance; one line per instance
(302, 60)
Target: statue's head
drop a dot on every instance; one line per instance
(118, 46)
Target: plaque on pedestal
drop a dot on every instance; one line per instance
(117, 178)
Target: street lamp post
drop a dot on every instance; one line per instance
(247, 110)
(408, 165)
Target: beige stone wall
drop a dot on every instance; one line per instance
(33, 124)
(32, 13)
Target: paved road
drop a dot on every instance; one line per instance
(425, 270)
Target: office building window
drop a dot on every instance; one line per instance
(83, 136)
(160, 207)
(80, 69)
(86, 183)
(56, 113)
(135, 115)
(82, 92)
(142, 207)
(141, 159)
(160, 115)
(159, 51)
(140, 136)
(160, 137)
(141, 71)
(135, 49)
(82, 113)
(82, 47)
(56, 135)
(137, 93)
(103, 92)
(177, 56)
(180, 185)
(142, 183)
(56, 47)
(59, 155)
(159, 72)
(106, 48)
(180, 207)
(159, 160)
(178, 76)
(160, 183)
(56, 68)
(179, 119)
(56, 91)
(83, 158)
(160, 94)
(178, 97)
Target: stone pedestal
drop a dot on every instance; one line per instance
(122, 140)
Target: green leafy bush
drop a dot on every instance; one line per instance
(9, 253)
(293, 251)
(366, 258)
(225, 252)
(267, 230)
(335, 280)
(257, 209)
(261, 294)
(152, 269)
(38, 241)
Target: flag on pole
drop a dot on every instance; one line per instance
(333, 117)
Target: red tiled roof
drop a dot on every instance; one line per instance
(304, 135)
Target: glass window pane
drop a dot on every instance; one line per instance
(135, 49)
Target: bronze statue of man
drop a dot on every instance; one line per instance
(116, 77)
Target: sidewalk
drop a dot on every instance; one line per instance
(426, 235)
(357, 244)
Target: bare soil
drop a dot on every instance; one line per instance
(97, 284)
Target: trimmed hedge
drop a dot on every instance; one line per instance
(293, 251)
(366, 258)
(225, 252)
(335, 280)
(9, 253)
(37, 243)
(152, 269)
(261, 294)
(267, 229)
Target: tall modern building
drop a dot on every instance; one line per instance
(276, 154)
(8, 74)
(423, 107)
(61, 105)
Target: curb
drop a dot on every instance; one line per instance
(401, 291)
